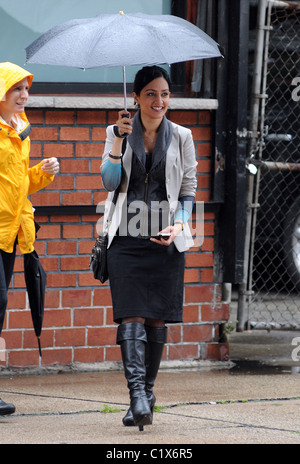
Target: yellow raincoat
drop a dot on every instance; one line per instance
(17, 180)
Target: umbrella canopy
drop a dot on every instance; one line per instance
(122, 40)
(100, 41)
(35, 278)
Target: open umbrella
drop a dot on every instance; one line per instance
(122, 40)
(35, 278)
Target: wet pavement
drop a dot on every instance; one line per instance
(196, 407)
(253, 400)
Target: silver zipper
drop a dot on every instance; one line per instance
(144, 234)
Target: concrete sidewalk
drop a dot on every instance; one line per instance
(199, 406)
(252, 399)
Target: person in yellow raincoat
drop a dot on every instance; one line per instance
(17, 179)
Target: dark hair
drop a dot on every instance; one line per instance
(148, 74)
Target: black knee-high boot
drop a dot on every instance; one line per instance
(6, 408)
(132, 339)
(156, 339)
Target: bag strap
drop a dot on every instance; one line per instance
(117, 191)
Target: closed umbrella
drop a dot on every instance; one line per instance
(122, 40)
(35, 278)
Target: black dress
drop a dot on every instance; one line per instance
(146, 278)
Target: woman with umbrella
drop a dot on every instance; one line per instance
(17, 180)
(147, 228)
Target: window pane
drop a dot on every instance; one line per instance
(21, 22)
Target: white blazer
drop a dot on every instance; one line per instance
(180, 175)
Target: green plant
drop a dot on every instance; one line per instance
(108, 409)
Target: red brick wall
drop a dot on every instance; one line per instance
(78, 325)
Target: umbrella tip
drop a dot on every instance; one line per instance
(121, 12)
(39, 345)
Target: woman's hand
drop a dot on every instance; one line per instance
(51, 166)
(173, 230)
(124, 123)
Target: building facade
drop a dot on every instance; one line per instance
(71, 124)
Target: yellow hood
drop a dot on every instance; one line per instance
(10, 74)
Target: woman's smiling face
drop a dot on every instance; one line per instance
(15, 99)
(154, 98)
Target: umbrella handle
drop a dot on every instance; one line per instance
(124, 87)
